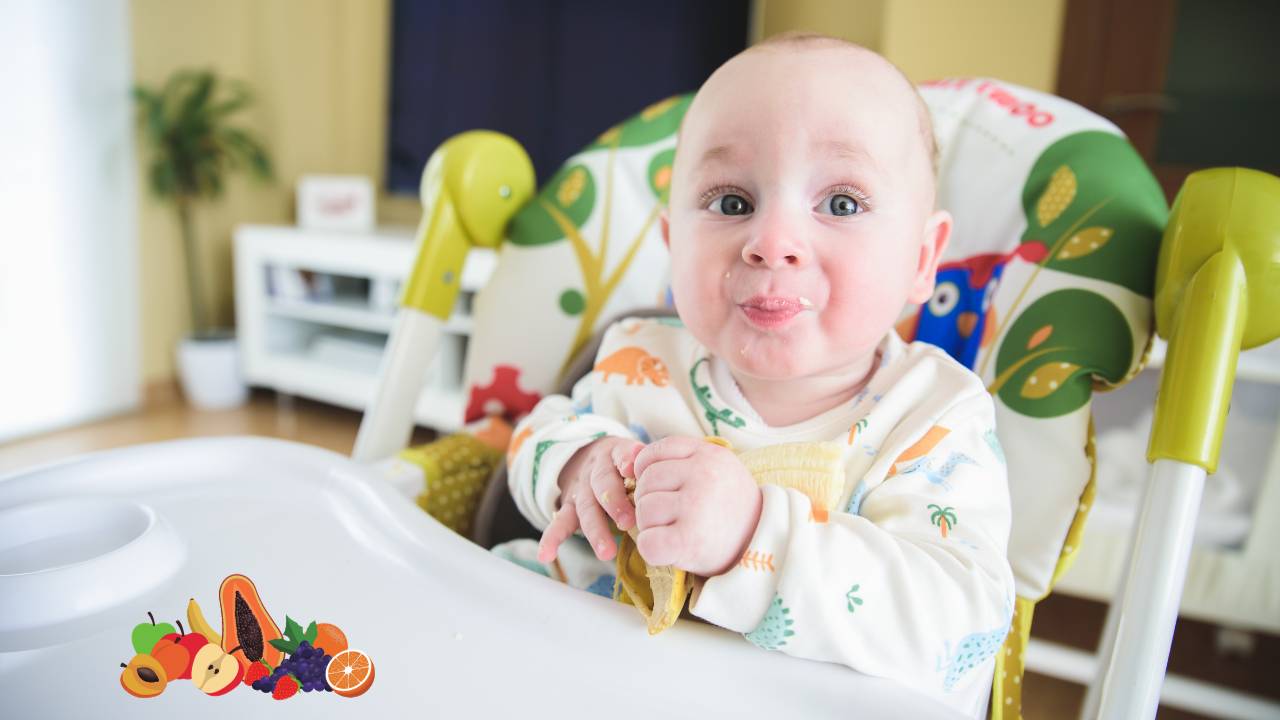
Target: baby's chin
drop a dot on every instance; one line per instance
(777, 357)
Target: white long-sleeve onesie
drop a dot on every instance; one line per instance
(906, 578)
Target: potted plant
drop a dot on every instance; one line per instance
(193, 148)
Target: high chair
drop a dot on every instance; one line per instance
(1052, 286)
(89, 545)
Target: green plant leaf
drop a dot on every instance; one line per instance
(291, 628)
(311, 633)
(185, 127)
(240, 97)
(201, 88)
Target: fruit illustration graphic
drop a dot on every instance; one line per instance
(330, 638)
(216, 671)
(190, 644)
(305, 664)
(256, 672)
(146, 635)
(195, 618)
(286, 687)
(173, 656)
(350, 673)
(246, 624)
(143, 676)
(251, 650)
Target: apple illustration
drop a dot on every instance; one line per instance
(192, 642)
(216, 671)
(146, 635)
(172, 656)
(178, 664)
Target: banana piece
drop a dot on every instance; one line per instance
(195, 619)
(659, 593)
(814, 468)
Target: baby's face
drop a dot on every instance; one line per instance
(801, 202)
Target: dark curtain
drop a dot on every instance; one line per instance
(553, 74)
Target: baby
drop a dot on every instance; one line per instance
(801, 222)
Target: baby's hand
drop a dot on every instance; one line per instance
(590, 486)
(696, 505)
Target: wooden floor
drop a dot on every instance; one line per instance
(1066, 620)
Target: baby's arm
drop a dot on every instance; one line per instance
(912, 585)
(555, 445)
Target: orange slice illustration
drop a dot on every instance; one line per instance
(350, 673)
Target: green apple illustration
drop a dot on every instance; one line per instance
(145, 636)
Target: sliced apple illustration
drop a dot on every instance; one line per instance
(216, 671)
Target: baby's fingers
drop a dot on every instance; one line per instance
(624, 457)
(607, 486)
(561, 527)
(672, 447)
(596, 527)
(663, 545)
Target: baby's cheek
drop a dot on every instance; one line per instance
(698, 296)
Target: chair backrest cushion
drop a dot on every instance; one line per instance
(1045, 289)
(584, 250)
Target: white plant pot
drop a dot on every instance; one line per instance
(209, 369)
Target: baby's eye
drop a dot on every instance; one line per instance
(730, 205)
(840, 204)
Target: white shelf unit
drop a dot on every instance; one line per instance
(325, 340)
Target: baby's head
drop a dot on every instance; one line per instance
(801, 216)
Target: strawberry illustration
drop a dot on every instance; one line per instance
(286, 687)
(256, 672)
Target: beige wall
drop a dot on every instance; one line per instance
(1014, 40)
(319, 68)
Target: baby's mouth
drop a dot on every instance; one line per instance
(770, 312)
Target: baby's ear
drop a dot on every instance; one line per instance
(664, 222)
(937, 232)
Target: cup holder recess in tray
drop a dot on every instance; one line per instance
(64, 562)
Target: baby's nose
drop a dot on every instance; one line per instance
(774, 251)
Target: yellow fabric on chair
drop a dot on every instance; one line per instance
(814, 468)
(1011, 665)
(456, 470)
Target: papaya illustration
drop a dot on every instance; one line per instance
(246, 623)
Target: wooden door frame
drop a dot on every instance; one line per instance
(1114, 58)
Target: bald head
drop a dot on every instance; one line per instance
(802, 41)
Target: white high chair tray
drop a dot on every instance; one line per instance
(90, 545)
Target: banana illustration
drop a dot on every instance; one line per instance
(195, 618)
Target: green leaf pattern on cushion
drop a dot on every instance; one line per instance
(575, 194)
(1091, 200)
(656, 122)
(571, 193)
(659, 174)
(1046, 362)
